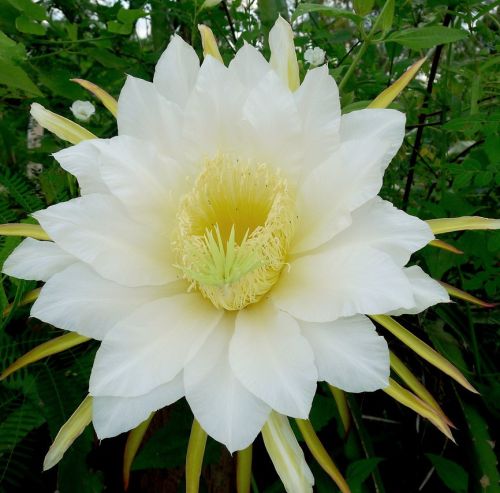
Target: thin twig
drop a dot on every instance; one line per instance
(230, 21)
(466, 151)
(349, 52)
(431, 471)
(422, 117)
(366, 43)
(419, 125)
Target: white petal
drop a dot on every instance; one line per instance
(274, 130)
(426, 291)
(283, 56)
(213, 112)
(176, 71)
(80, 300)
(114, 415)
(152, 345)
(273, 360)
(382, 226)
(349, 354)
(145, 114)
(82, 161)
(96, 230)
(322, 210)
(318, 104)
(37, 260)
(359, 169)
(340, 283)
(146, 182)
(249, 66)
(226, 410)
(349, 178)
(380, 125)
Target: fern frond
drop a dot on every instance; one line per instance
(22, 191)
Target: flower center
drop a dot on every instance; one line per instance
(233, 231)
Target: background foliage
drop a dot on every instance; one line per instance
(448, 166)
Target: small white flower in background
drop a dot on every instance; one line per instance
(314, 56)
(82, 110)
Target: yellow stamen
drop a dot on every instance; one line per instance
(233, 231)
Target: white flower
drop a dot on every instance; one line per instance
(228, 244)
(314, 56)
(82, 110)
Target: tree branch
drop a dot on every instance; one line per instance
(422, 117)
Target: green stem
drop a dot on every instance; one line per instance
(194, 457)
(244, 470)
(343, 408)
(366, 43)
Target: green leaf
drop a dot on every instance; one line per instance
(32, 10)
(387, 16)
(125, 21)
(270, 9)
(129, 16)
(58, 81)
(21, 190)
(74, 464)
(27, 25)
(363, 7)
(426, 37)
(106, 58)
(463, 122)
(72, 30)
(307, 8)
(322, 412)
(10, 49)
(358, 105)
(359, 471)
(18, 424)
(453, 475)
(15, 77)
(482, 449)
(119, 28)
